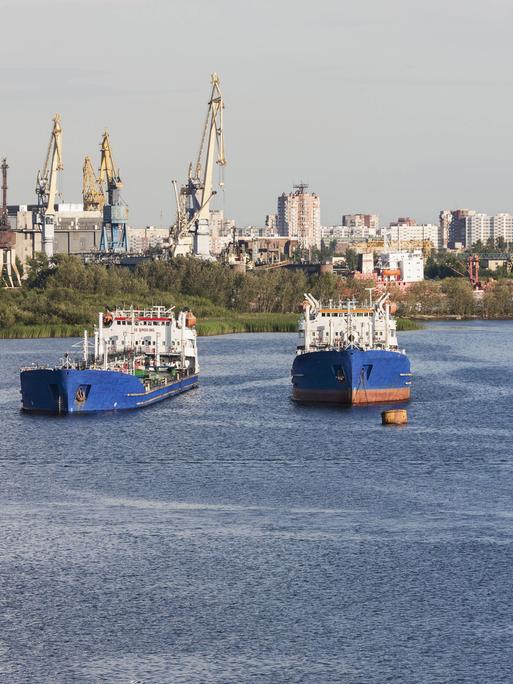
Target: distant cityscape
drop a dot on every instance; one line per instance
(295, 225)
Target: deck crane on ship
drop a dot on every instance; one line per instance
(115, 212)
(193, 198)
(46, 187)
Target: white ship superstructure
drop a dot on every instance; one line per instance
(342, 325)
(154, 332)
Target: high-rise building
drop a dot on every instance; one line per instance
(502, 227)
(270, 224)
(220, 228)
(370, 221)
(453, 227)
(444, 217)
(404, 221)
(299, 216)
(411, 231)
(478, 228)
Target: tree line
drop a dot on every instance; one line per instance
(69, 292)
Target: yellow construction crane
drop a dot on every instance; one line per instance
(92, 191)
(46, 186)
(115, 212)
(109, 174)
(193, 199)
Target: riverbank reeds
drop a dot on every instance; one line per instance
(407, 324)
(40, 331)
(239, 323)
(218, 325)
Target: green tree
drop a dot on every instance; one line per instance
(39, 270)
(351, 257)
(424, 297)
(500, 244)
(459, 296)
(497, 301)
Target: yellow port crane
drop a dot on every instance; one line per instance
(193, 199)
(46, 186)
(109, 174)
(92, 191)
(115, 212)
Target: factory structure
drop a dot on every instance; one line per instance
(98, 227)
(99, 224)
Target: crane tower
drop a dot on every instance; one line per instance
(92, 191)
(46, 187)
(115, 212)
(193, 199)
(9, 274)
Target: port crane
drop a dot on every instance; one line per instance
(92, 191)
(9, 274)
(46, 187)
(193, 198)
(115, 212)
(472, 272)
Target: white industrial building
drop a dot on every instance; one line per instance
(404, 266)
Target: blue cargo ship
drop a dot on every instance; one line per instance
(140, 357)
(348, 354)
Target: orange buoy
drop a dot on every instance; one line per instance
(394, 417)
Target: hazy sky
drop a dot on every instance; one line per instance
(400, 107)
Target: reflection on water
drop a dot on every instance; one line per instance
(230, 535)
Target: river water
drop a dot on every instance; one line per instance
(232, 536)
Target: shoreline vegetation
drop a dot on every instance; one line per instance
(63, 298)
(221, 325)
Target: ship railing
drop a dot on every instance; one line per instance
(153, 312)
(35, 366)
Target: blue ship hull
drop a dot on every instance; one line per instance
(89, 391)
(351, 376)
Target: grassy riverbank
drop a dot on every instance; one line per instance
(408, 324)
(63, 298)
(215, 325)
(218, 325)
(39, 331)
